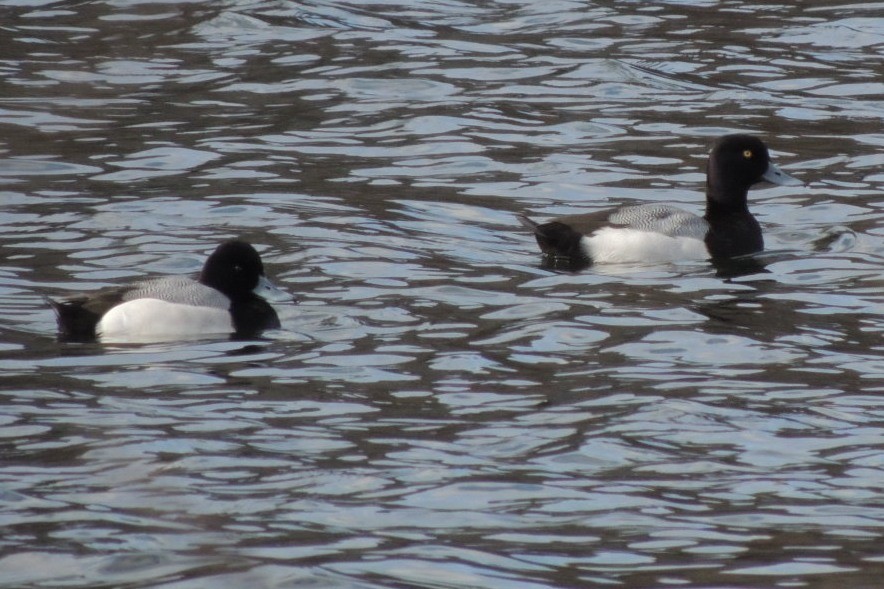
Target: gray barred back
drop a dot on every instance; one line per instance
(179, 289)
(671, 221)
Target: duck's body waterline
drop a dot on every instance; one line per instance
(623, 246)
(155, 319)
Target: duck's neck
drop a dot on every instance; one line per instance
(722, 200)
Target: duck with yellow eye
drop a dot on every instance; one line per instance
(655, 233)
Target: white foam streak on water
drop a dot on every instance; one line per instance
(440, 409)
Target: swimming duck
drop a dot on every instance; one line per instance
(653, 233)
(222, 300)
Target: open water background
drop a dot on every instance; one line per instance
(440, 410)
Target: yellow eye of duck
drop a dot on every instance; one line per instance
(747, 153)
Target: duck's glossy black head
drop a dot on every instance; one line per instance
(735, 163)
(234, 268)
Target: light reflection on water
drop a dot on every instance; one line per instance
(440, 409)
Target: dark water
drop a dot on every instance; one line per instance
(440, 410)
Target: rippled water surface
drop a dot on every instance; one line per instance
(441, 410)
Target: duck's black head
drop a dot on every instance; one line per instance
(234, 269)
(735, 164)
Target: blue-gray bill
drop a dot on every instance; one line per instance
(267, 290)
(775, 175)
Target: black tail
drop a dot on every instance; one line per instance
(75, 322)
(557, 239)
